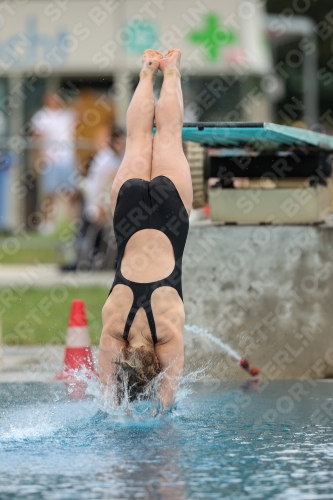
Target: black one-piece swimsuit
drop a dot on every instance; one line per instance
(154, 204)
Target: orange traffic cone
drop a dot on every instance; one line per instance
(78, 353)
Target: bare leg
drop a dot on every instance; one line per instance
(168, 155)
(139, 123)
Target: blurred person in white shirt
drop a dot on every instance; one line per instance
(96, 217)
(102, 171)
(54, 126)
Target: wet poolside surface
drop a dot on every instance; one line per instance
(225, 440)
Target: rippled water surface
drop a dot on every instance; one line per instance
(225, 440)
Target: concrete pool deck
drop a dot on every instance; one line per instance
(46, 275)
(31, 363)
(23, 364)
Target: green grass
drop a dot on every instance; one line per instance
(29, 247)
(38, 316)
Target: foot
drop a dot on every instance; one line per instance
(171, 61)
(151, 60)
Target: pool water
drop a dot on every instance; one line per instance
(225, 440)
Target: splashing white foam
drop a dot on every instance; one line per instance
(42, 420)
(204, 333)
(147, 405)
(144, 408)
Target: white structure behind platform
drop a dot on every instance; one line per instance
(282, 205)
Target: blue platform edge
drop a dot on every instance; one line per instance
(260, 135)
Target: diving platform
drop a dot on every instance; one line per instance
(264, 173)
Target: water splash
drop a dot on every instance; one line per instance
(143, 409)
(35, 422)
(204, 333)
(106, 399)
(147, 405)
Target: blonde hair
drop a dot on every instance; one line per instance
(137, 367)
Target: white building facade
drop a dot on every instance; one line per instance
(47, 43)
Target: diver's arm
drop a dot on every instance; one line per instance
(110, 345)
(108, 354)
(111, 342)
(171, 359)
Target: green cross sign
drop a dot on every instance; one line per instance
(213, 36)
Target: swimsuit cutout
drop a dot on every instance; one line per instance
(154, 204)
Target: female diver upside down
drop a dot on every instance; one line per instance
(151, 198)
